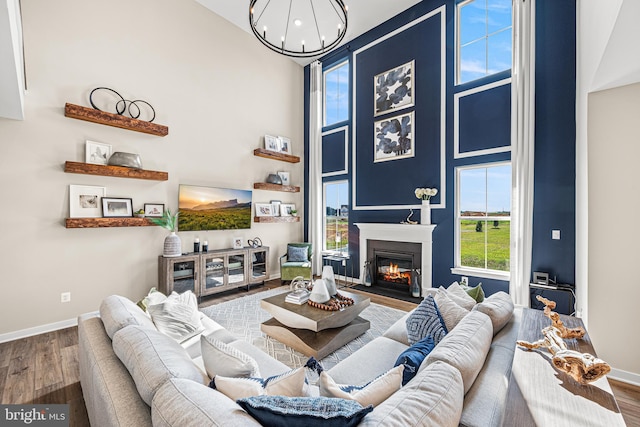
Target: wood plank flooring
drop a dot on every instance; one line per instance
(44, 368)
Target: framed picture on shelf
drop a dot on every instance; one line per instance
(284, 176)
(286, 209)
(153, 210)
(272, 143)
(117, 207)
(84, 201)
(285, 144)
(264, 209)
(97, 153)
(275, 207)
(237, 243)
(393, 89)
(393, 138)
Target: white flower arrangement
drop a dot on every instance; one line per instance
(426, 193)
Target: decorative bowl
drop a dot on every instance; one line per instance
(274, 178)
(128, 160)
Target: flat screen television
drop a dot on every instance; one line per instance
(211, 208)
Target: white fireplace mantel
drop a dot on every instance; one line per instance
(417, 233)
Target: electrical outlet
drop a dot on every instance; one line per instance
(65, 297)
(555, 234)
(464, 281)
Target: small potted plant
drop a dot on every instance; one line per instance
(172, 243)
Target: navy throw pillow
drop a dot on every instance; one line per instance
(426, 320)
(297, 254)
(276, 411)
(413, 357)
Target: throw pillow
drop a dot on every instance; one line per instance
(451, 312)
(413, 357)
(177, 316)
(222, 359)
(476, 293)
(292, 384)
(307, 411)
(153, 297)
(426, 320)
(373, 393)
(297, 254)
(499, 307)
(460, 297)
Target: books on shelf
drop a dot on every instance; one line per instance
(297, 297)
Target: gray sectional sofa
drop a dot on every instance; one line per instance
(132, 376)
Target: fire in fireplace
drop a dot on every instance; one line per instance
(392, 263)
(393, 273)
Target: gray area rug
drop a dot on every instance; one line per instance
(243, 317)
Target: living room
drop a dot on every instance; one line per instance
(220, 92)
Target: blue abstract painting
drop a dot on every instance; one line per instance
(394, 138)
(394, 89)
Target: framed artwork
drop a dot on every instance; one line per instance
(84, 201)
(286, 208)
(237, 243)
(97, 153)
(264, 209)
(272, 143)
(213, 208)
(284, 176)
(393, 89)
(275, 207)
(116, 207)
(153, 210)
(285, 145)
(393, 138)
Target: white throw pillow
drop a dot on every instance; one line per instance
(222, 359)
(177, 316)
(373, 393)
(460, 296)
(451, 312)
(291, 384)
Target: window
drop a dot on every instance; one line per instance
(336, 216)
(484, 38)
(336, 94)
(483, 223)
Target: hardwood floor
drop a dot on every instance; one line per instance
(44, 368)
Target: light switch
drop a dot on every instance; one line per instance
(555, 234)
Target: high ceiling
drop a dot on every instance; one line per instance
(363, 14)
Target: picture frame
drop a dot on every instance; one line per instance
(285, 144)
(286, 208)
(84, 201)
(117, 207)
(393, 90)
(394, 138)
(97, 153)
(272, 143)
(264, 209)
(154, 210)
(275, 207)
(285, 177)
(237, 243)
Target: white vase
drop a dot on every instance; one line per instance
(425, 212)
(319, 294)
(172, 246)
(329, 279)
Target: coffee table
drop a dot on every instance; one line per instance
(312, 331)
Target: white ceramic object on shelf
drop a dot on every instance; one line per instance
(425, 212)
(329, 279)
(319, 294)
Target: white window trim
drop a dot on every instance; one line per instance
(459, 268)
(324, 94)
(324, 213)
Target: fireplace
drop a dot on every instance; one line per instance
(392, 263)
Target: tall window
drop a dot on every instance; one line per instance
(484, 38)
(336, 216)
(484, 217)
(336, 94)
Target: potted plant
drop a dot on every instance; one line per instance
(172, 243)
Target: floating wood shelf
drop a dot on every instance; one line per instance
(272, 219)
(276, 187)
(116, 120)
(261, 152)
(117, 171)
(106, 222)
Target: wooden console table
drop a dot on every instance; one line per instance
(540, 395)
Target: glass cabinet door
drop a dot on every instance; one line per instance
(236, 268)
(184, 275)
(213, 273)
(258, 265)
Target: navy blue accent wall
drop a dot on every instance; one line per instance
(333, 152)
(555, 134)
(555, 160)
(482, 128)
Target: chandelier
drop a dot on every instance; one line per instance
(299, 28)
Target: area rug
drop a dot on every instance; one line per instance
(243, 317)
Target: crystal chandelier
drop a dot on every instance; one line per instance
(299, 28)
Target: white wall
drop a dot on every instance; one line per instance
(216, 88)
(613, 231)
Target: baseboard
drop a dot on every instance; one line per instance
(625, 377)
(42, 329)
